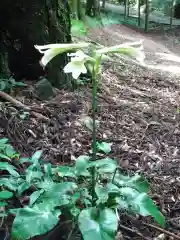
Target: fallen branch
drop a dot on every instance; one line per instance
(13, 101)
(19, 104)
(162, 230)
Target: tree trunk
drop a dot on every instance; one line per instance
(92, 7)
(24, 24)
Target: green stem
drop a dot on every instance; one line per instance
(94, 104)
(114, 174)
(94, 108)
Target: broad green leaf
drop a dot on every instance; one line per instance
(3, 156)
(35, 166)
(105, 165)
(10, 183)
(141, 204)
(6, 166)
(23, 187)
(46, 184)
(108, 193)
(30, 222)
(3, 204)
(113, 189)
(4, 140)
(126, 199)
(20, 84)
(104, 147)
(36, 156)
(121, 203)
(33, 175)
(59, 194)
(25, 160)
(5, 195)
(34, 196)
(146, 207)
(136, 181)
(98, 224)
(12, 80)
(81, 164)
(75, 196)
(48, 170)
(102, 193)
(14, 211)
(84, 195)
(10, 152)
(65, 171)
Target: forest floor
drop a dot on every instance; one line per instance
(139, 112)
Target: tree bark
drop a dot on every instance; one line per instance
(92, 7)
(24, 24)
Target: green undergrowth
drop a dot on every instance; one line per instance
(50, 192)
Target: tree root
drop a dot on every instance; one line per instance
(19, 104)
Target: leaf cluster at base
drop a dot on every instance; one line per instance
(50, 192)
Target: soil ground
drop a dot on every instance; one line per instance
(138, 110)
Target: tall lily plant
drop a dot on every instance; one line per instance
(80, 62)
(90, 191)
(100, 189)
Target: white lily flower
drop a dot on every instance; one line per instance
(126, 49)
(79, 55)
(76, 68)
(77, 64)
(52, 50)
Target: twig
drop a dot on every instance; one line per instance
(162, 230)
(39, 116)
(19, 104)
(13, 101)
(133, 231)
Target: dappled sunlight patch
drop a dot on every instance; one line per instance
(170, 69)
(169, 57)
(167, 67)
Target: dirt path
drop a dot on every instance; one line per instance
(117, 34)
(167, 42)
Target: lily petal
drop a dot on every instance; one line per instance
(64, 47)
(52, 50)
(68, 68)
(76, 68)
(49, 55)
(76, 73)
(83, 69)
(126, 49)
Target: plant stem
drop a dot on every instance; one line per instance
(94, 93)
(94, 104)
(94, 107)
(114, 175)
